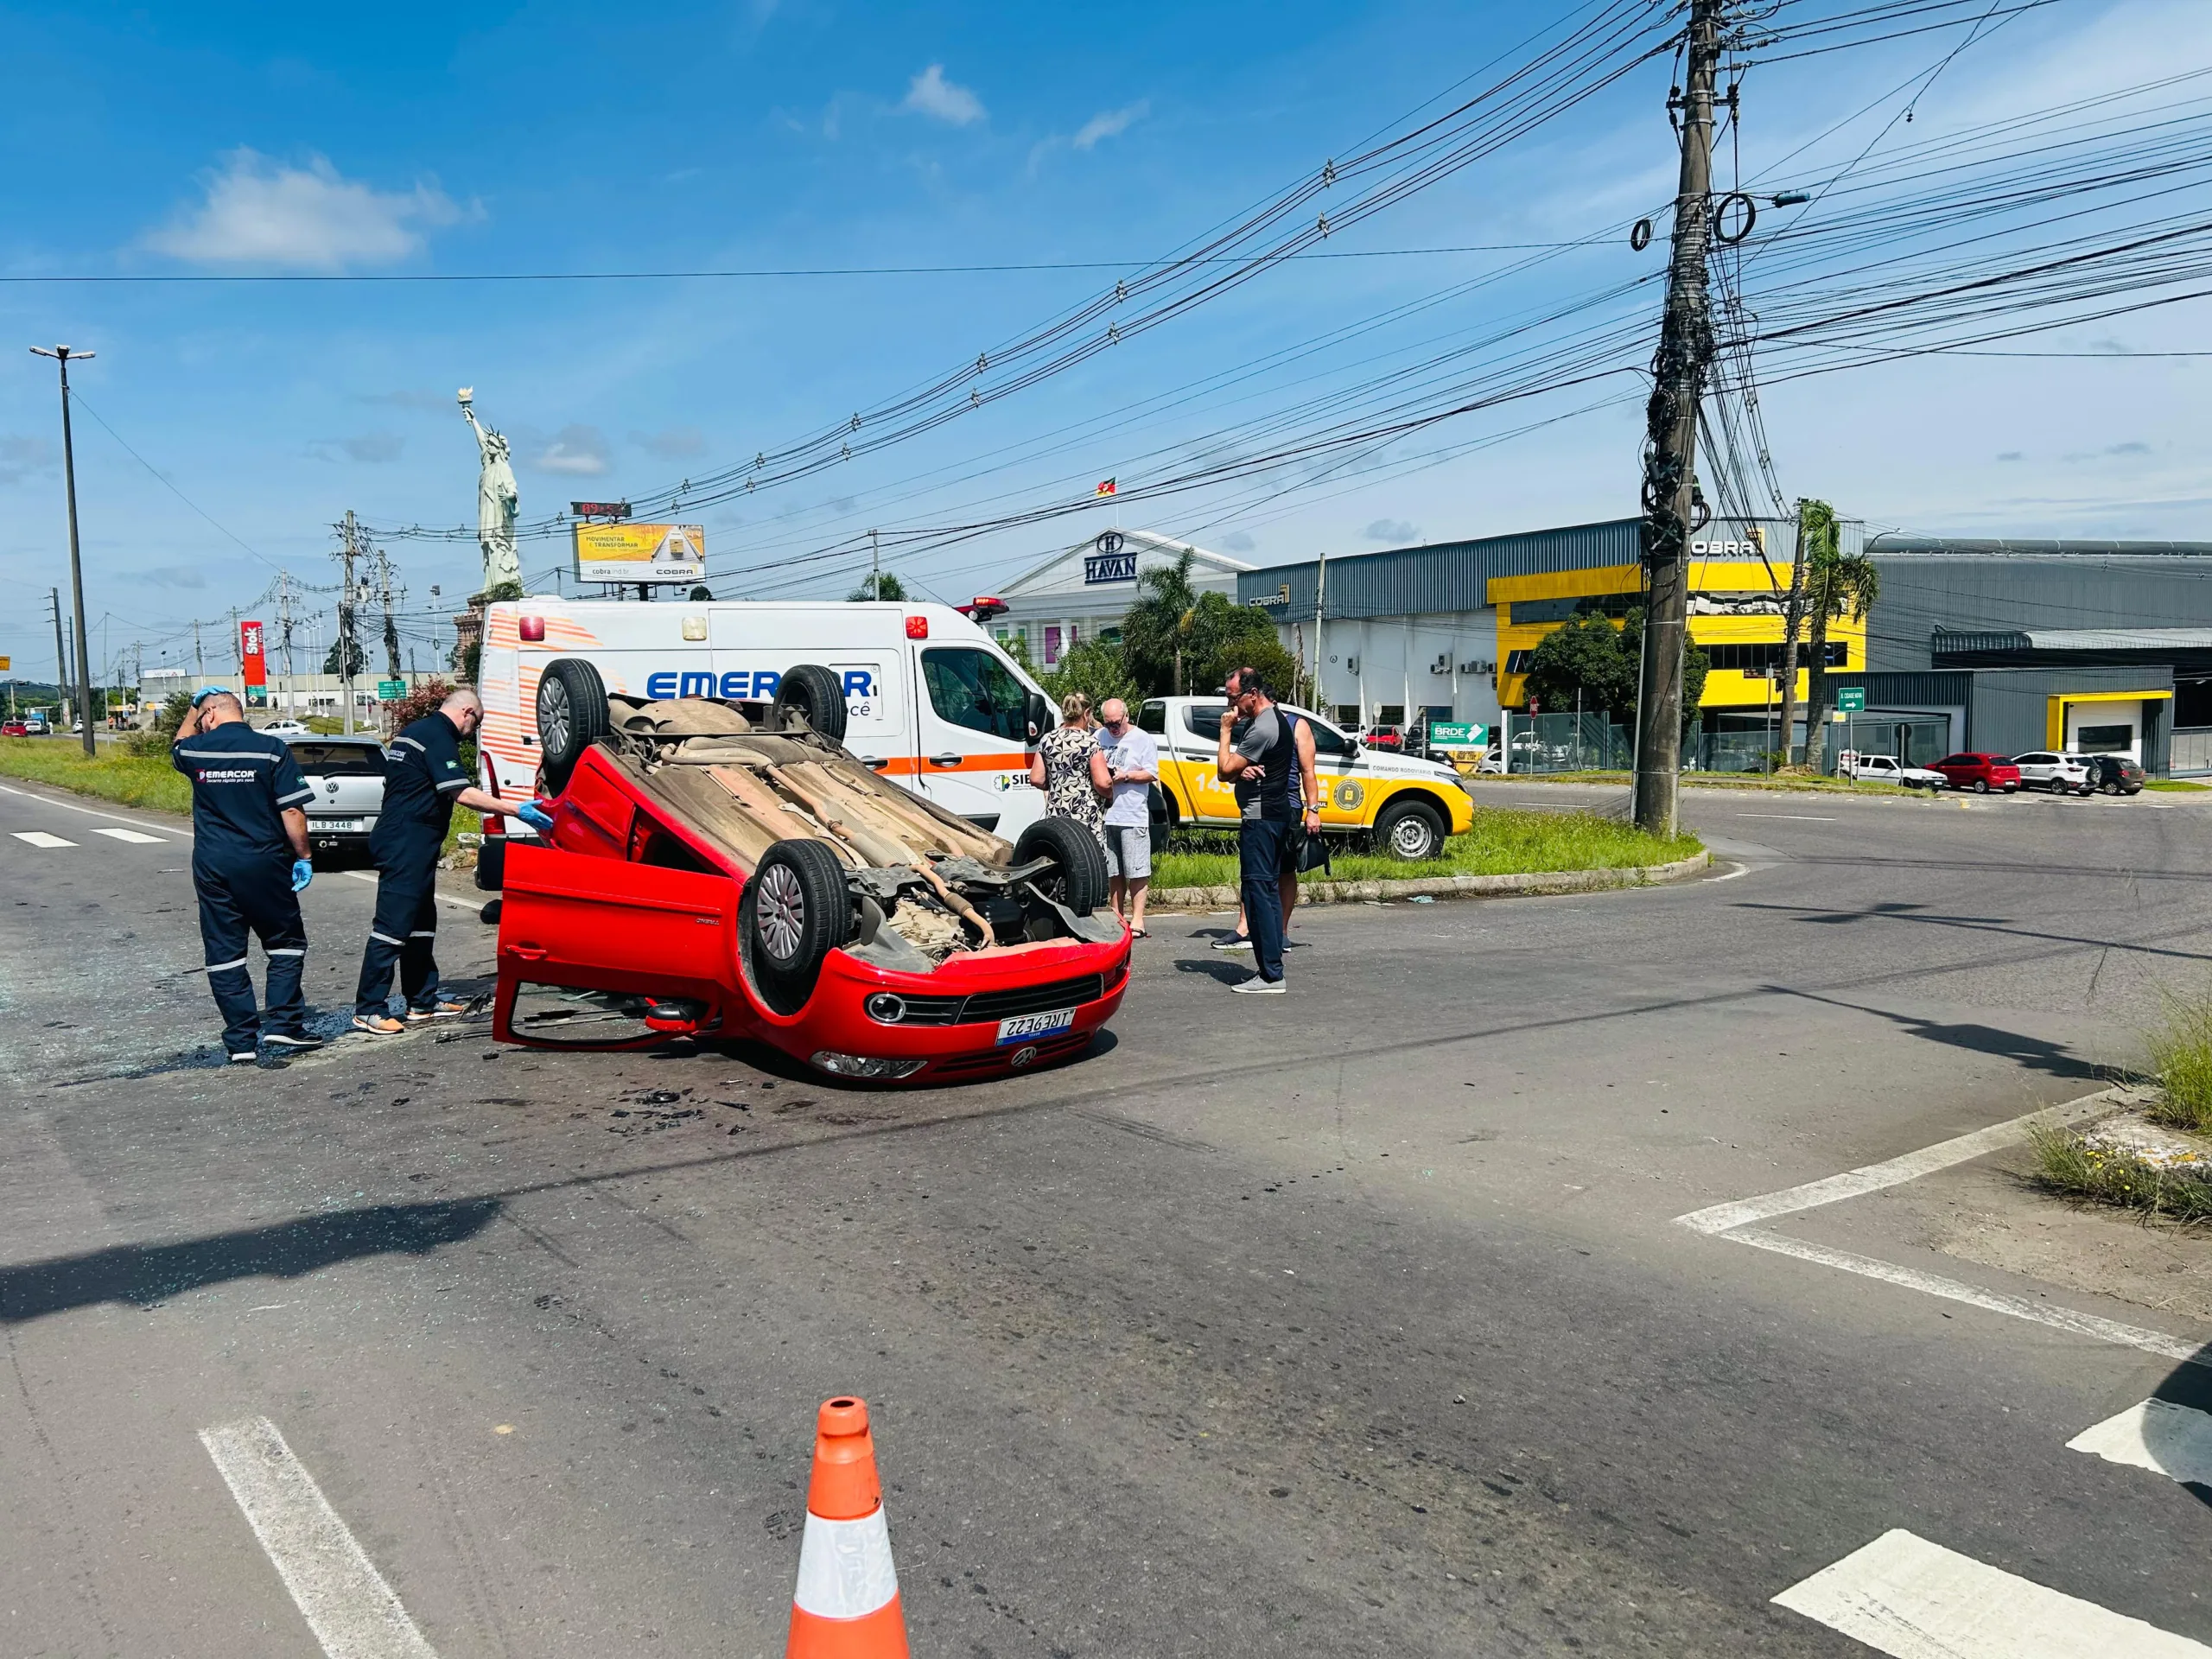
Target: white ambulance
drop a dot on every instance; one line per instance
(930, 701)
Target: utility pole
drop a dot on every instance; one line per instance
(198, 655)
(60, 655)
(874, 568)
(1793, 618)
(61, 354)
(1320, 661)
(1670, 440)
(349, 549)
(383, 567)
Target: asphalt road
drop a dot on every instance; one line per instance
(1356, 1322)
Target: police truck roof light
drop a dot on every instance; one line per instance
(533, 627)
(917, 627)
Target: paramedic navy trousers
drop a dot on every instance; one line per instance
(252, 895)
(405, 928)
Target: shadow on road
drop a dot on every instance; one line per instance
(2190, 1385)
(1895, 912)
(2036, 1053)
(145, 1275)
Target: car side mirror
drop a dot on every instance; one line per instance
(1040, 715)
(1352, 748)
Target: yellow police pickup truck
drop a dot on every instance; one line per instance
(1406, 806)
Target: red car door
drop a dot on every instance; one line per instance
(591, 948)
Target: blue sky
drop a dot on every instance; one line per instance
(417, 140)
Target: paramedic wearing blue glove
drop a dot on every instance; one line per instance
(249, 863)
(424, 781)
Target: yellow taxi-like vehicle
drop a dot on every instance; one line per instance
(1408, 806)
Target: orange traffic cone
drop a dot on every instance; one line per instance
(847, 1603)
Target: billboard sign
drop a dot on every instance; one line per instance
(640, 552)
(1458, 735)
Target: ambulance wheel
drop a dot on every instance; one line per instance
(1080, 880)
(1410, 829)
(813, 690)
(571, 716)
(794, 911)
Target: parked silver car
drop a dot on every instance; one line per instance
(347, 774)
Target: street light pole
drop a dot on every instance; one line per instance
(61, 354)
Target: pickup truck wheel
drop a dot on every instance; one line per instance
(1079, 879)
(814, 691)
(1410, 830)
(571, 716)
(794, 911)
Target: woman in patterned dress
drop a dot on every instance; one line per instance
(1070, 768)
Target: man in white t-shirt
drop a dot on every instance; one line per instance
(1132, 763)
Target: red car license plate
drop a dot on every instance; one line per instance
(1023, 1028)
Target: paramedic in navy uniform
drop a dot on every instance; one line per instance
(249, 864)
(424, 780)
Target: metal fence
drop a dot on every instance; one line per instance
(1536, 744)
(2192, 752)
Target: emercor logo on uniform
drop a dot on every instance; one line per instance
(741, 685)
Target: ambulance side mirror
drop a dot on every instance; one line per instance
(1040, 717)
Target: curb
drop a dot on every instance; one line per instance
(1444, 886)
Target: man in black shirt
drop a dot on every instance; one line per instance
(249, 864)
(424, 781)
(1261, 764)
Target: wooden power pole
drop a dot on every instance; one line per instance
(1670, 441)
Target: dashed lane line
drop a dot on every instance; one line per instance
(2170, 1440)
(132, 837)
(40, 838)
(345, 1600)
(93, 811)
(1905, 1597)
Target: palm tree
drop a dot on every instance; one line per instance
(1837, 585)
(1156, 634)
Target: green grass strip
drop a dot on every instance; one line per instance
(2066, 1163)
(1504, 841)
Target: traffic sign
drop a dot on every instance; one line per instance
(6, 663)
(390, 690)
(1852, 699)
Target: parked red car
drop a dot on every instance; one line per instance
(1978, 773)
(724, 871)
(13, 728)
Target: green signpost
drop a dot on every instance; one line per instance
(1851, 699)
(390, 690)
(1458, 735)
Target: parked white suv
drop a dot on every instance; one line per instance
(2062, 774)
(347, 774)
(1888, 769)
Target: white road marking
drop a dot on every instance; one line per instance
(1905, 1597)
(1872, 1177)
(1801, 817)
(2158, 1435)
(1733, 1222)
(345, 1600)
(469, 904)
(1951, 1290)
(92, 811)
(1741, 869)
(131, 836)
(39, 838)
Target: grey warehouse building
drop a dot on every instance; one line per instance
(2006, 645)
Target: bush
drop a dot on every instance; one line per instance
(2180, 1056)
(2067, 1163)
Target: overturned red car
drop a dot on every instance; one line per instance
(729, 871)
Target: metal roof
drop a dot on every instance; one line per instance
(1896, 544)
(1952, 642)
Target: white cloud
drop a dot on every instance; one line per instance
(932, 95)
(263, 212)
(1238, 541)
(1110, 123)
(580, 451)
(1393, 530)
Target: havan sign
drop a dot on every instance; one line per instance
(1111, 562)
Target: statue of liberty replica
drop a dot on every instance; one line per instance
(497, 503)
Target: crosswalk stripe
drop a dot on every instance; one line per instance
(39, 838)
(131, 836)
(1905, 1597)
(2158, 1435)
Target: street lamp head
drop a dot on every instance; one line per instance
(63, 354)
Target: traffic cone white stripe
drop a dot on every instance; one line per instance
(844, 1568)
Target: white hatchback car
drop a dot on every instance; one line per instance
(347, 774)
(2062, 774)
